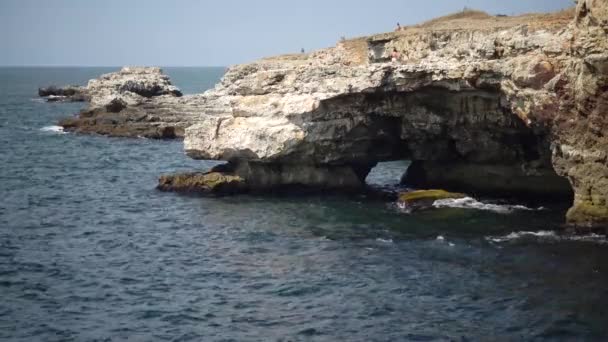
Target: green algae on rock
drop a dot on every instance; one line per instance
(587, 214)
(423, 199)
(199, 182)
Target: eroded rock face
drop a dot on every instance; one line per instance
(500, 180)
(581, 146)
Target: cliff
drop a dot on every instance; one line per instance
(511, 106)
(495, 105)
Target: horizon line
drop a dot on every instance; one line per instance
(109, 66)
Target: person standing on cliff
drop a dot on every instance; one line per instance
(398, 28)
(395, 55)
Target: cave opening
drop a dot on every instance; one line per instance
(388, 173)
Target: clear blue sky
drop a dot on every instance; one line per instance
(200, 33)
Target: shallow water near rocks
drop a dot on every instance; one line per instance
(89, 250)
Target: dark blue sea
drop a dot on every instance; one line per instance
(90, 251)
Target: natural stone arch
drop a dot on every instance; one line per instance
(461, 140)
(458, 138)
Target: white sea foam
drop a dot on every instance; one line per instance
(471, 203)
(522, 234)
(52, 97)
(548, 235)
(384, 240)
(55, 129)
(403, 207)
(442, 239)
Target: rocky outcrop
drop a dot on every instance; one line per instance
(514, 106)
(131, 84)
(263, 178)
(133, 102)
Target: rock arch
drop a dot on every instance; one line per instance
(508, 107)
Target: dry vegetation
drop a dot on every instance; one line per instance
(288, 57)
(471, 19)
(466, 15)
(356, 48)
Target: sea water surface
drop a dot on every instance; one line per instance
(90, 251)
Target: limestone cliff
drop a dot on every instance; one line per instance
(478, 103)
(581, 119)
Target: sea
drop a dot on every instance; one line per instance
(91, 251)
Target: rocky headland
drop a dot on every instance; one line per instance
(133, 102)
(507, 106)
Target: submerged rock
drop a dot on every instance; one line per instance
(424, 199)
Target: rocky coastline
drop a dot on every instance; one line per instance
(507, 106)
(133, 102)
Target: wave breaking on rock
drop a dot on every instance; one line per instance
(547, 236)
(54, 129)
(471, 203)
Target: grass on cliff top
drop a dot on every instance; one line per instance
(468, 14)
(479, 19)
(469, 19)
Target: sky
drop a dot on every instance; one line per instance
(206, 33)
